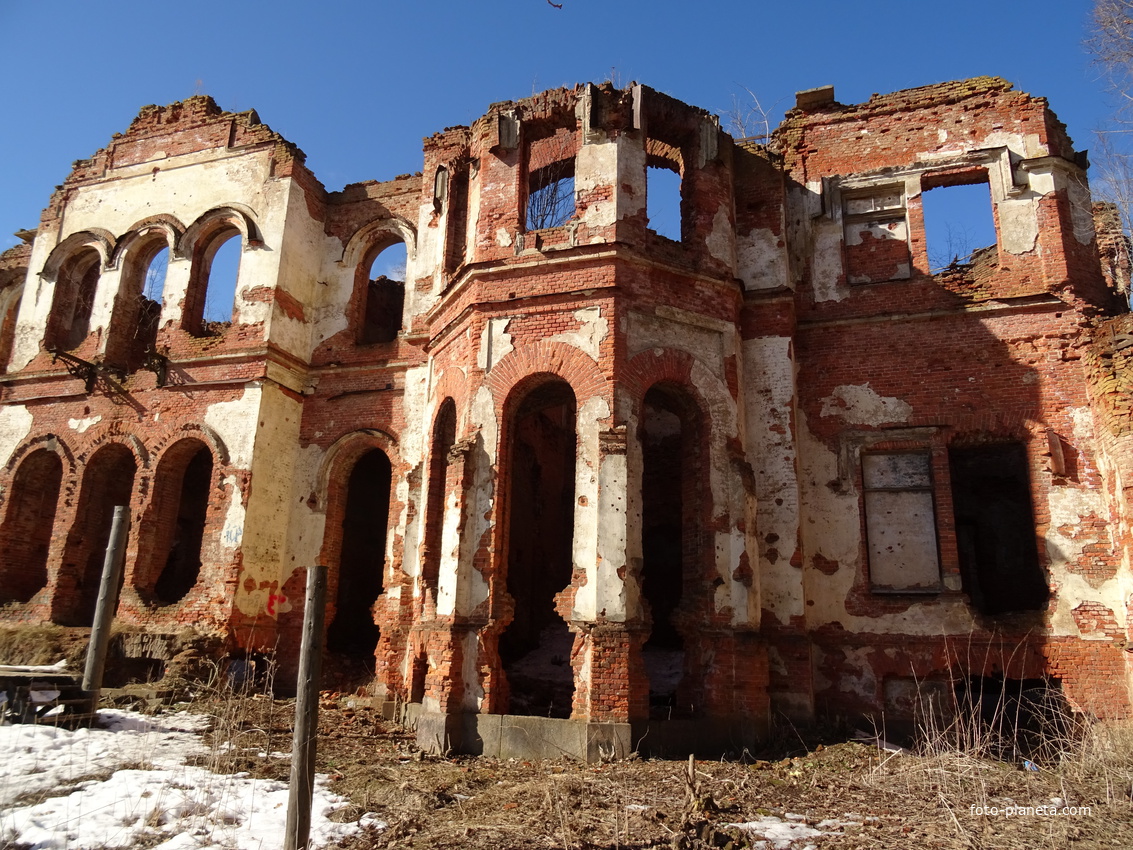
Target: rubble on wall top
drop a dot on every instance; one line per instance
(810, 102)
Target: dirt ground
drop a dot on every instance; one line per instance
(823, 792)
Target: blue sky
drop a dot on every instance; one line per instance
(358, 84)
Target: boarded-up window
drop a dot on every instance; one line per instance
(877, 237)
(900, 522)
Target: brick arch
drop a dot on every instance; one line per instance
(51, 442)
(163, 226)
(344, 453)
(383, 233)
(100, 240)
(524, 367)
(192, 430)
(652, 367)
(334, 480)
(453, 383)
(113, 433)
(28, 522)
(239, 216)
(159, 517)
(100, 487)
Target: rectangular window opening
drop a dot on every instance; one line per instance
(901, 522)
(663, 201)
(550, 195)
(995, 529)
(959, 226)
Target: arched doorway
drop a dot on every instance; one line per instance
(670, 535)
(183, 485)
(535, 647)
(107, 482)
(28, 525)
(361, 561)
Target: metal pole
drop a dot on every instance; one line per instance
(107, 603)
(306, 713)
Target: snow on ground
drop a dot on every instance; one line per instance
(127, 782)
(785, 833)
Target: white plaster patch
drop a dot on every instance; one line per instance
(1018, 225)
(233, 532)
(495, 343)
(826, 263)
(1068, 507)
(305, 526)
(470, 673)
(596, 166)
(236, 423)
(589, 337)
(503, 238)
(15, 425)
(761, 260)
(861, 405)
(670, 331)
(720, 239)
(471, 586)
(81, 425)
(769, 402)
(593, 538)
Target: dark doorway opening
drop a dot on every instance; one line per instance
(362, 559)
(666, 510)
(444, 437)
(1011, 719)
(107, 483)
(995, 529)
(183, 563)
(535, 648)
(28, 526)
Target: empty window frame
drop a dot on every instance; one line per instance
(137, 309)
(900, 522)
(959, 223)
(995, 528)
(876, 232)
(663, 199)
(384, 298)
(74, 301)
(212, 295)
(550, 195)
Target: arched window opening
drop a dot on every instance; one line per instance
(362, 558)
(385, 295)
(995, 528)
(211, 300)
(669, 537)
(28, 524)
(444, 437)
(149, 305)
(107, 483)
(8, 327)
(223, 274)
(183, 501)
(74, 301)
(535, 648)
(138, 311)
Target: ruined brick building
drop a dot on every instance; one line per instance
(571, 467)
